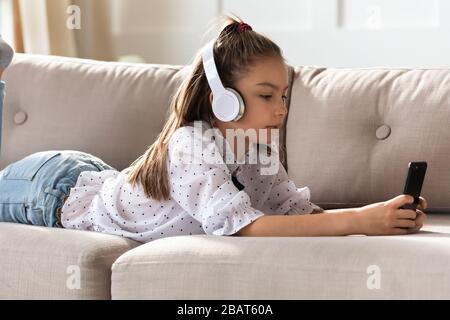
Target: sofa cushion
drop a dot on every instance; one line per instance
(212, 267)
(51, 263)
(352, 132)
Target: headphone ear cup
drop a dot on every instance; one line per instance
(241, 104)
(228, 106)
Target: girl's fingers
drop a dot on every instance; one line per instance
(400, 200)
(423, 203)
(405, 223)
(400, 231)
(416, 229)
(409, 225)
(421, 217)
(406, 214)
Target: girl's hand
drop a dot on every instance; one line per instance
(385, 218)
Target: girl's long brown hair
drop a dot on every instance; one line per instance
(234, 52)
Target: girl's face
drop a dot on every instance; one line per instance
(264, 89)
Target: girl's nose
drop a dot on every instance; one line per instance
(281, 108)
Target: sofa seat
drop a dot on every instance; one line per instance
(415, 266)
(51, 263)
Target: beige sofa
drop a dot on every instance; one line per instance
(350, 135)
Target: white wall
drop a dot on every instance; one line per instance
(162, 31)
(338, 33)
(6, 24)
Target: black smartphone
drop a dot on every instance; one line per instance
(414, 182)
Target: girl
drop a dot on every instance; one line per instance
(172, 189)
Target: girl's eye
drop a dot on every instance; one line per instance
(284, 98)
(266, 97)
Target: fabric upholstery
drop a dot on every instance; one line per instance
(332, 144)
(207, 267)
(52, 263)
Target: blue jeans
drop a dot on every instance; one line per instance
(32, 189)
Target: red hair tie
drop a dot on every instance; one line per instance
(243, 26)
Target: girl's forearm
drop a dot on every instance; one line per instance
(337, 222)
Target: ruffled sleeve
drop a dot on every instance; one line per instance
(286, 198)
(202, 185)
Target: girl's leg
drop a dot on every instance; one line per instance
(34, 188)
(13, 193)
(20, 189)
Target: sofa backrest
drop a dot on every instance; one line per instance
(352, 132)
(109, 109)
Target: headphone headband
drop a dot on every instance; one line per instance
(209, 64)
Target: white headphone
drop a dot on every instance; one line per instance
(227, 104)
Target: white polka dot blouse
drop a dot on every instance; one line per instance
(217, 197)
